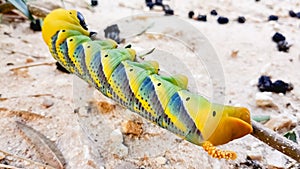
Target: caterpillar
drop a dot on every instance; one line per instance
(163, 100)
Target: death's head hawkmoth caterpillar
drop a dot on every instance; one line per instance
(164, 100)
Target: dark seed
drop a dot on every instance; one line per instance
(201, 18)
(264, 83)
(168, 10)
(149, 3)
(241, 19)
(277, 37)
(223, 20)
(298, 15)
(273, 18)
(214, 12)
(94, 2)
(36, 25)
(283, 46)
(292, 13)
(191, 14)
(280, 86)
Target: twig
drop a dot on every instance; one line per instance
(24, 159)
(276, 141)
(33, 65)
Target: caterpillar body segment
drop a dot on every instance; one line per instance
(164, 100)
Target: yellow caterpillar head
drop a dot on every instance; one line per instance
(63, 19)
(235, 123)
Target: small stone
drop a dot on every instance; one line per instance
(223, 20)
(257, 157)
(279, 123)
(273, 18)
(161, 160)
(241, 19)
(277, 37)
(214, 12)
(47, 103)
(120, 150)
(2, 156)
(191, 14)
(116, 136)
(274, 161)
(201, 18)
(264, 99)
(292, 13)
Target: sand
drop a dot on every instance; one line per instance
(45, 99)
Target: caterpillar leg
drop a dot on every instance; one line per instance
(217, 153)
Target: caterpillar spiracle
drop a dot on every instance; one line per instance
(163, 100)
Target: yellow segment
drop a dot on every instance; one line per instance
(90, 49)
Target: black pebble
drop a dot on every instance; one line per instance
(283, 46)
(292, 13)
(94, 2)
(191, 14)
(36, 25)
(273, 18)
(223, 20)
(214, 12)
(201, 18)
(61, 68)
(277, 37)
(279, 86)
(264, 83)
(241, 19)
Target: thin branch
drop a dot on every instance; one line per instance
(276, 141)
(32, 65)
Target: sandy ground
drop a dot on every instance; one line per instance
(46, 99)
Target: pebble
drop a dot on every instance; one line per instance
(191, 14)
(241, 19)
(47, 103)
(274, 161)
(2, 156)
(277, 37)
(279, 122)
(273, 18)
(120, 150)
(161, 160)
(264, 99)
(116, 136)
(214, 12)
(117, 147)
(223, 20)
(201, 18)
